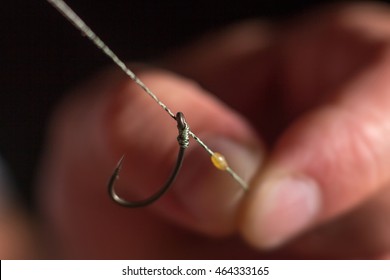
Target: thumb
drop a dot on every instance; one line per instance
(327, 163)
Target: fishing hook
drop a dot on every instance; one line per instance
(183, 140)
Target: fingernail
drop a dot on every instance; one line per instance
(211, 196)
(286, 207)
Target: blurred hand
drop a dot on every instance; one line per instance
(19, 236)
(314, 90)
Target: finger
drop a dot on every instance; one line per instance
(234, 59)
(18, 235)
(237, 65)
(260, 67)
(110, 116)
(363, 233)
(326, 163)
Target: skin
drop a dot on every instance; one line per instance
(300, 109)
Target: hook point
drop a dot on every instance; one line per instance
(120, 163)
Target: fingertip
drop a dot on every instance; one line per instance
(279, 209)
(323, 166)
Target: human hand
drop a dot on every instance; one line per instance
(314, 90)
(19, 237)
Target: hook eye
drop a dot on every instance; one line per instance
(181, 122)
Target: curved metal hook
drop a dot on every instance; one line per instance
(183, 140)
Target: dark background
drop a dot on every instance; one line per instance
(42, 56)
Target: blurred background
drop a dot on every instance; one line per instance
(42, 56)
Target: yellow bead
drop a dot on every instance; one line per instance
(219, 161)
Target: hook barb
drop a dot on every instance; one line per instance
(183, 140)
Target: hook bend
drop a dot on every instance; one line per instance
(183, 140)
